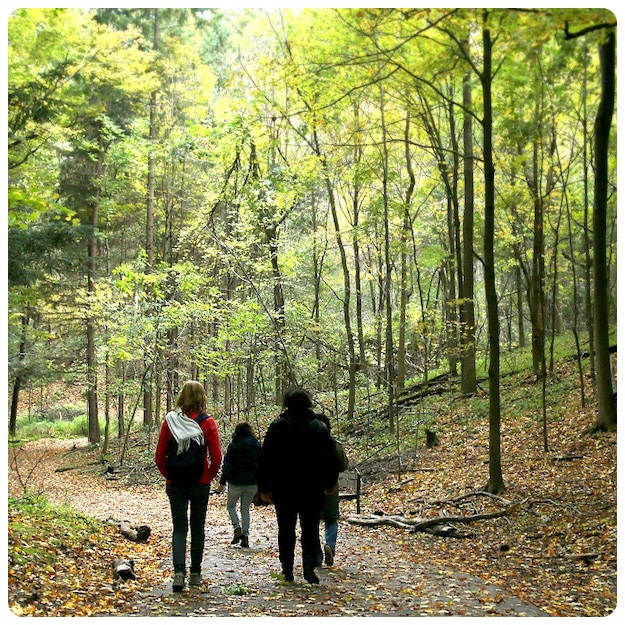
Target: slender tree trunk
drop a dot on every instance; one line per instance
(121, 402)
(281, 373)
(92, 373)
(537, 286)
(454, 259)
(317, 269)
(455, 249)
(495, 482)
(93, 252)
(17, 383)
(389, 359)
(467, 293)
(424, 331)
(574, 304)
(587, 235)
(606, 417)
(556, 320)
(351, 348)
(518, 276)
(378, 311)
(358, 152)
(149, 228)
(405, 287)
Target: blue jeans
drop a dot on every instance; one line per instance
(181, 499)
(330, 518)
(244, 494)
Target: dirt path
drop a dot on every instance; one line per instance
(375, 573)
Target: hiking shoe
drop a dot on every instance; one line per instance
(288, 576)
(178, 582)
(238, 534)
(245, 541)
(195, 579)
(329, 555)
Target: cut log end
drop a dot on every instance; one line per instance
(136, 533)
(124, 569)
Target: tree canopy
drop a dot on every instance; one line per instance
(352, 200)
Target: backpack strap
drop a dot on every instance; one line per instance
(200, 418)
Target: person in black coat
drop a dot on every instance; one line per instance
(298, 467)
(239, 472)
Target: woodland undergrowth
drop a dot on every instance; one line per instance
(555, 549)
(558, 547)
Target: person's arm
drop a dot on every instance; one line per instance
(330, 462)
(211, 436)
(160, 456)
(225, 469)
(343, 461)
(264, 471)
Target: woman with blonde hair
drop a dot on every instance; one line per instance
(188, 455)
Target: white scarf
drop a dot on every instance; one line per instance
(184, 429)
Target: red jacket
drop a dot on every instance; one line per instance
(211, 438)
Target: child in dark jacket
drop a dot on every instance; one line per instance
(239, 472)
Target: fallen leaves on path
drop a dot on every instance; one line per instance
(558, 549)
(555, 554)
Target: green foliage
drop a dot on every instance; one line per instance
(258, 119)
(33, 428)
(33, 517)
(236, 590)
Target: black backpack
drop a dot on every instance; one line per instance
(187, 467)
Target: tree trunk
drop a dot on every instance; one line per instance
(495, 482)
(405, 289)
(587, 234)
(518, 277)
(537, 286)
(282, 376)
(389, 359)
(149, 226)
(18, 378)
(467, 294)
(92, 252)
(358, 152)
(121, 402)
(575, 306)
(317, 275)
(606, 417)
(455, 269)
(351, 348)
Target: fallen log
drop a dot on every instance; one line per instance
(124, 569)
(440, 525)
(586, 558)
(74, 468)
(374, 520)
(438, 528)
(475, 493)
(136, 533)
(565, 457)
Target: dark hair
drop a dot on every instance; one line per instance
(297, 400)
(242, 430)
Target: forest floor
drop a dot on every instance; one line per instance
(553, 554)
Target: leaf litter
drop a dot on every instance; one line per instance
(555, 555)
